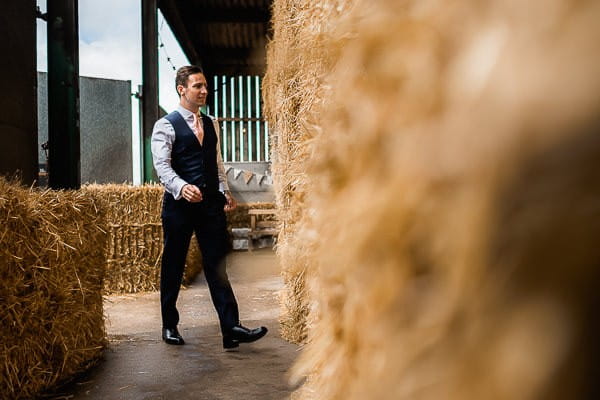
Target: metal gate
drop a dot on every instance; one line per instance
(236, 102)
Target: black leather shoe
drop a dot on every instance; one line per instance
(240, 334)
(172, 336)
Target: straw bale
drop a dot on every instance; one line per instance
(293, 86)
(51, 268)
(135, 240)
(455, 195)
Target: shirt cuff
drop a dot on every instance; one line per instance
(178, 186)
(223, 186)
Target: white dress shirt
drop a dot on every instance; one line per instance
(163, 137)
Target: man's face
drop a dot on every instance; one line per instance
(196, 90)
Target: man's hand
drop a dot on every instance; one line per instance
(191, 193)
(231, 203)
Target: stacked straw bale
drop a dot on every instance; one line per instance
(135, 241)
(60, 251)
(51, 269)
(455, 195)
(293, 87)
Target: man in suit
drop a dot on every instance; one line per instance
(187, 159)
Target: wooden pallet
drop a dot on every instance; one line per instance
(260, 228)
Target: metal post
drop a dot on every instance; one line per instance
(257, 114)
(233, 124)
(150, 111)
(140, 136)
(216, 105)
(241, 116)
(249, 113)
(224, 135)
(18, 85)
(63, 95)
(216, 97)
(266, 125)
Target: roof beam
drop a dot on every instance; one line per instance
(237, 15)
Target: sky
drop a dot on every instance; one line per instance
(110, 46)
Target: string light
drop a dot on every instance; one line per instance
(162, 46)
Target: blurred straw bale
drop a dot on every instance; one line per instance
(454, 200)
(135, 241)
(293, 86)
(52, 264)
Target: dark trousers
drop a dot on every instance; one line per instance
(207, 219)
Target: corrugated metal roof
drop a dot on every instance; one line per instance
(224, 36)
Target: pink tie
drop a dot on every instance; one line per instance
(198, 131)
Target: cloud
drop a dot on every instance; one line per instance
(108, 19)
(110, 39)
(110, 59)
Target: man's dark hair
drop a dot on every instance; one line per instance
(184, 73)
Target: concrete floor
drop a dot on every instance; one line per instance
(138, 365)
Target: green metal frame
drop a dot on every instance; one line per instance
(236, 103)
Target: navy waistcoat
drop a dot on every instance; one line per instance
(194, 163)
